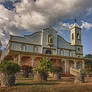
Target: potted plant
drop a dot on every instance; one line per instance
(42, 69)
(8, 70)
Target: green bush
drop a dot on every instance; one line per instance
(42, 68)
(9, 67)
(8, 70)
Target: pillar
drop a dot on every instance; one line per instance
(75, 64)
(33, 57)
(14, 59)
(83, 64)
(67, 70)
(19, 59)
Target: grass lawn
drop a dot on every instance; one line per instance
(65, 85)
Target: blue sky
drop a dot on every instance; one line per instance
(86, 35)
(82, 19)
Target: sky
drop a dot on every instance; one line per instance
(20, 17)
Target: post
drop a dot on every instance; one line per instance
(33, 57)
(83, 64)
(75, 64)
(19, 59)
(67, 66)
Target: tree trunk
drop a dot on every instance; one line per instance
(40, 76)
(37, 77)
(7, 80)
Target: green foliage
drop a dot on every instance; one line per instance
(9, 67)
(88, 64)
(88, 56)
(44, 65)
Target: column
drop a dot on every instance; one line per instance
(75, 64)
(33, 57)
(83, 64)
(14, 59)
(67, 70)
(19, 59)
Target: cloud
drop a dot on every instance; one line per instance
(89, 11)
(86, 25)
(63, 26)
(33, 15)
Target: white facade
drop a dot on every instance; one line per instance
(47, 41)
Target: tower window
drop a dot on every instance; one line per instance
(78, 36)
(78, 49)
(72, 36)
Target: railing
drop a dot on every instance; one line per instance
(74, 71)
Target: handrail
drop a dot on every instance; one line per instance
(74, 71)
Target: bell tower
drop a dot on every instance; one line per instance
(76, 39)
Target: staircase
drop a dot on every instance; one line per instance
(75, 71)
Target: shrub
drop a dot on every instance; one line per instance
(9, 67)
(43, 67)
(8, 70)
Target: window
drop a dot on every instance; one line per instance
(50, 39)
(35, 49)
(72, 36)
(23, 47)
(48, 52)
(78, 49)
(78, 36)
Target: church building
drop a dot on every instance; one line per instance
(29, 49)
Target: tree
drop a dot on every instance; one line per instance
(8, 70)
(88, 64)
(43, 67)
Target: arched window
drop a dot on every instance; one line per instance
(79, 49)
(50, 39)
(72, 36)
(78, 36)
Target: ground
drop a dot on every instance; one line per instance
(64, 85)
